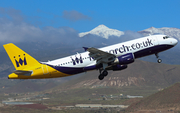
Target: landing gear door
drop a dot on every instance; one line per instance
(155, 40)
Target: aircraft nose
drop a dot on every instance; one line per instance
(174, 41)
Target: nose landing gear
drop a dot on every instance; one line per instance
(157, 56)
(159, 60)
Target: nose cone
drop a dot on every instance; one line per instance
(174, 41)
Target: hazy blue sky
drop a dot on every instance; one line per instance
(84, 15)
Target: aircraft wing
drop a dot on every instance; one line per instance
(22, 72)
(100, 56)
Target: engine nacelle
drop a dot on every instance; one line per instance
(125, 59)
(119, 67)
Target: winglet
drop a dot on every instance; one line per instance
(85, 48)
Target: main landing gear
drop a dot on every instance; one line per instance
(103, 74)
(157, 56)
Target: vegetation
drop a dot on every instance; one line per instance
(167, 99)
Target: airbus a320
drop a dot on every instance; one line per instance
(115, 57)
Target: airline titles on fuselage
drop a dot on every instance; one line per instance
(122, 49)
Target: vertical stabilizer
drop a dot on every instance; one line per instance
(20, 59)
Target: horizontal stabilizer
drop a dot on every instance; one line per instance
(85, 48)
(22, 72)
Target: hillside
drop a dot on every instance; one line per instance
(167, 99)
(140, 73)
(140, 78)
(29, 86)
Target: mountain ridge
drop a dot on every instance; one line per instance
(174, 32)
(103, 31)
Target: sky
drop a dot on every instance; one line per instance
(84, 15)
(58, 18)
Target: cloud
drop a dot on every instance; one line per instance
(23, 32)
(74, 16)
(130, 35)
(11, 14)
(97, 41)
(14, 28)
(11, 32)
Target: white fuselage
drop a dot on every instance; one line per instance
(139, 47)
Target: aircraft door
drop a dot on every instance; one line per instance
(45, 69)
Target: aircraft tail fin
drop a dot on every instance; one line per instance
(19, 58)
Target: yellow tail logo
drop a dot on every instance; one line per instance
(20, 59)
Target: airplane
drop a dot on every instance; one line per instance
(115, 57)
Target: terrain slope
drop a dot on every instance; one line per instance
(140, 73)
(167, 99)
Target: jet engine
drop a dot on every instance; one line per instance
(125, 59)
(119, 67)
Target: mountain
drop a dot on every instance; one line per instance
(103, 31)
(174, 32)
(169, 56)
(138, 74)
(139, 79)
(165, 100)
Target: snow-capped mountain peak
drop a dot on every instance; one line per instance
(100, 27)
(103, 31)
(174, 32)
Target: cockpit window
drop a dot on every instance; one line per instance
(165, 37)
